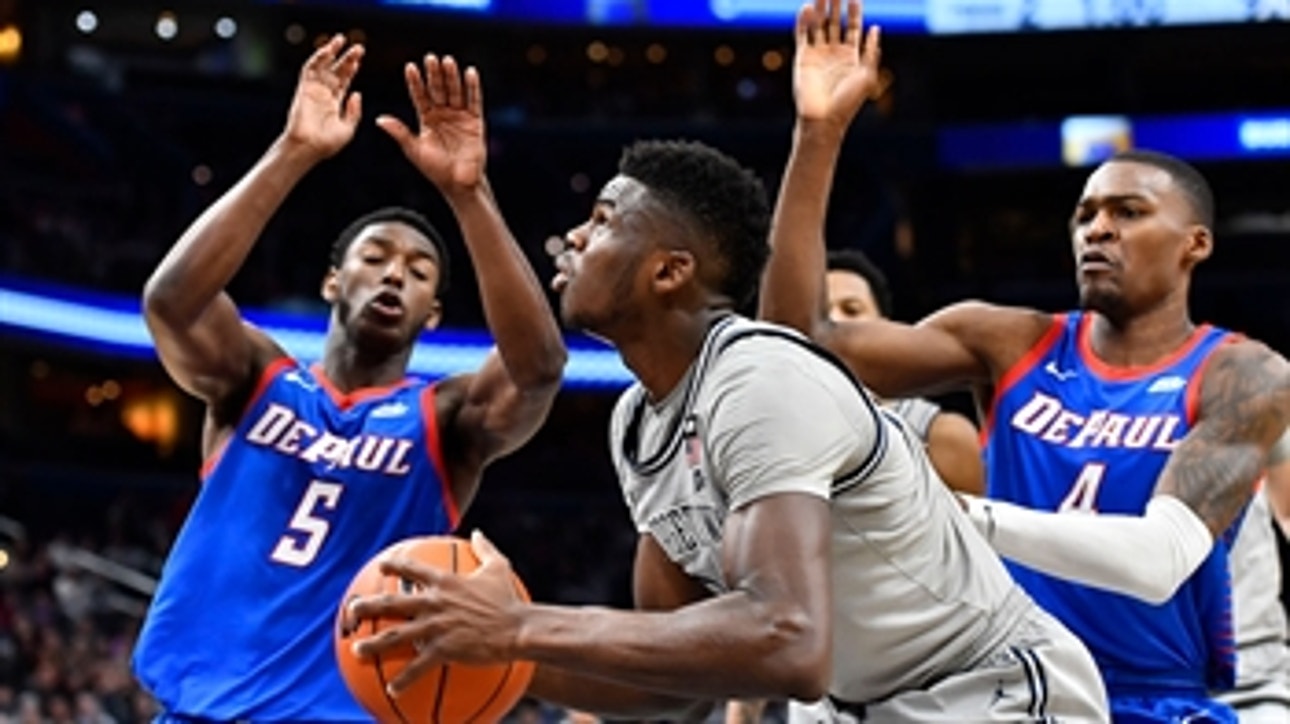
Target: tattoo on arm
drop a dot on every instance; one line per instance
(1244, 400)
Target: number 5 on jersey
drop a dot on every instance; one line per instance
(299, 545)
(1083, 495)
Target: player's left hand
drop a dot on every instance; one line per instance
(449, 146)
(832, 77)
(474, 618)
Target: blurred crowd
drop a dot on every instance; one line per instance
(70, 607)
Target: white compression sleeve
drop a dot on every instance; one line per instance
(1147, 557)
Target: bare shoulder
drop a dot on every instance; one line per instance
(998, 335)
(1248, 383)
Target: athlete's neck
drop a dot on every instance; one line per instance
(350, 368)
(1141, 339)
(662, 351)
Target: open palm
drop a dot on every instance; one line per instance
(321, 117)
(832, 78)
(449, 146)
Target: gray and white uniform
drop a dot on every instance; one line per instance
(1262, 693)
(927, 624)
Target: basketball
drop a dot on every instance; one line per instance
(446, 694)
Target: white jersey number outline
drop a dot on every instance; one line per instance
(294, 550)
(1082, 497)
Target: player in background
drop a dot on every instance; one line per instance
(1262, 691)
(311, 470)
(857, 290)
(1126, 409)
(793, 538)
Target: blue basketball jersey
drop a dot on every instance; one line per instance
(311, 485)
(1069, 432)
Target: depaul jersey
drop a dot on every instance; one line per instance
(311, 484)
(1069, 432)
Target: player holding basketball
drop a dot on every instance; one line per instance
(1125, 409)
(311, 470)
(794, 540)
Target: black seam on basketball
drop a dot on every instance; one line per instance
(443, 668)
(380, 677)
(501, 684)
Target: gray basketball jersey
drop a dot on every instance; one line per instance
(918, 594)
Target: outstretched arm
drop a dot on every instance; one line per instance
(199, 334)
(832, 78)
(504, 403)
(1209, 478)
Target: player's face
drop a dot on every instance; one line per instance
(601, 273)
(850, 297)
(1130, 234)
(384, 290)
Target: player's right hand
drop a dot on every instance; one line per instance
(323, 112)
(832, 76)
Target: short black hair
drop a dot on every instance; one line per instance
(727, 202)
(856, 262)
(1193, 184)
(403, 216)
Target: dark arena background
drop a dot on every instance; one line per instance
(121, 121)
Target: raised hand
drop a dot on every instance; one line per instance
(832, 78)
(322, 118)
(449, 147)
(473, 619)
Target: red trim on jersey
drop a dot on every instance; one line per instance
(346, 400)
(1116, 372)
(1020, 369)
(434, 448)
(266, 376)
(1192, 400)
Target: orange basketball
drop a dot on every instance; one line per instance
(446, 694)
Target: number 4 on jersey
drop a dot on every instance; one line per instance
(1083, 495)
(299, 545)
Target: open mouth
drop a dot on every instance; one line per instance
(559, 282)
(1094, 261)
(387, 305)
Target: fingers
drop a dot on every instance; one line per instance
(347, 66)
(415, 669)
(452, 82)
(833, 25)
(353, 109)
(414, 571)
(417, 90)
(434, 80)
(325, 55)
(474, 92)
(485, 551)
(855, 11)
(386, 605)
(397, 130)
(805, 25)
(873, 47)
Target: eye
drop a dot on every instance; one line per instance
(372, 258)
(1083, 216)
(420, 273)
(1128, 212)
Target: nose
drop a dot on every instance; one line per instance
(576, 238)
(395, 272)
(1100, 229)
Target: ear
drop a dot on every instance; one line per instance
(1200, 244)
(674, 269)
(331, 286)
(436, 316)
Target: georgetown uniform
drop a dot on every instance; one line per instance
(926, 622)
(1262, 693)
(311, 484)
(1069, 432)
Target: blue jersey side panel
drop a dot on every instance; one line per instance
(309, 487)
(1068, 431)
